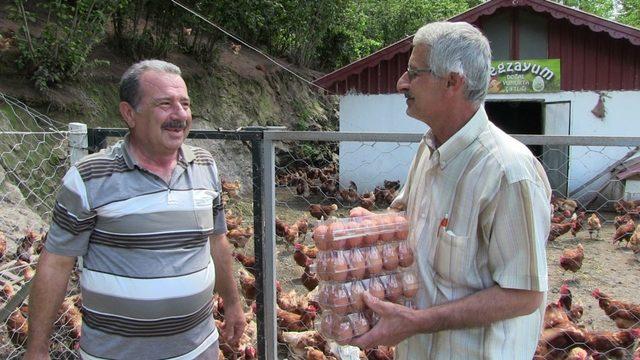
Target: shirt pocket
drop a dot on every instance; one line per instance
(452, 260)
(203, 199)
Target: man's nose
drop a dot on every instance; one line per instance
(403, 83)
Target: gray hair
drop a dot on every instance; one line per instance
(130, 81)
(460, 48)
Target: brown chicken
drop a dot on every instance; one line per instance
(571, 259)
(558, 230)
(309, 251)
(594, 225)
(17, 328)
(291, 234)
(621, 220)
(577, 223)
(349, 195)
(247, 285)
(248, 261)
(368, 200)
(315, 354)
(573, 311)
(230, 187)
(300, 257)
(625, 315)
(288, 321)
(233, 221)
(554, 315)
(303, 225)
(634, 240)
(380, 353)
(239, 237)
(309, 279)
(624, 232)
(298, 342)
(556, 341)
(606, 341)
(292, 302)
(7, 291)
(322, 211)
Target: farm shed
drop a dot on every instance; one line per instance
(557, 71)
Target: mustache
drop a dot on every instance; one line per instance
(174, 124)
(408, 96)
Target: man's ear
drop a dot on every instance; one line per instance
(455, 82)
(127, 112)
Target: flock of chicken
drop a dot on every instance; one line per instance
(563, 337)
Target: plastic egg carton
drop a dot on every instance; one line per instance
(362, 263)
(356, 232)
(347, 297)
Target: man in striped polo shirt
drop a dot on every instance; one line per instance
(146, 217)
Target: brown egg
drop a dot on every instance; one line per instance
(357, 265)
(370, 232)
(376, 289)
(390, 257)
(336, 236)
(405, 254)
(410, 284)
(402, 227)
(320, 238)
(326, 325)
(340, 267)
(355, 295)
(360, 324)
(342, 329)
(393, 288)
(387, 228)
(339, 300)
(373, 261)
(355, 235)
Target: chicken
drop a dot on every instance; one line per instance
(634, 240)
(230, 187)
(239, 237)
(233, 222)
(70, 318)
(624, 232)
(350, 194)
(281, 227)
(554, 315)
(367, 200)
(310, 251)
(380, 353)
(291, 234)
(291, 301)
(302, 188)
(301, 258)
(288, 321)
(607, 341)
(18, 329)
(298, 342)
(625, 315)
(309, 279)
(593, 225)
(249, 262)
(577, 223)
(571, 259)
(621, 220)
(573, 311)
(555, 341)
(558, 230)
(303, 225)
(315, 354)
(7, 291)
(322, 211)
(247, 285)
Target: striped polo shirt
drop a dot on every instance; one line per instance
(148, 276)
(495, 198)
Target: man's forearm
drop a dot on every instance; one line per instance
(47, 293)
(222, 259)
(478, 310)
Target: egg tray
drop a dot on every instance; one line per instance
(343, 327)
(347, 297)
(363, 263)
(355, 232)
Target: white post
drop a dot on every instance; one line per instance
(78, 141)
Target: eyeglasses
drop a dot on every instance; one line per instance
(414, 72)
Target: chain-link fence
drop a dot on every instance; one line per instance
(298, 178)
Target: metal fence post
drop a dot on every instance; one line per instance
(264, 239)
(78, 142)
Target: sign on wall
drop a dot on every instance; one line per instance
(524, 76)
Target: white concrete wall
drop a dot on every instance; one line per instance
(369, 164)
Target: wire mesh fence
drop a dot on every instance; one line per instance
(308, 177)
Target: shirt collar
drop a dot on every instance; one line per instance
(460, 140)
(185, 154)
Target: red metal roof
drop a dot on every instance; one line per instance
(581, 51)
